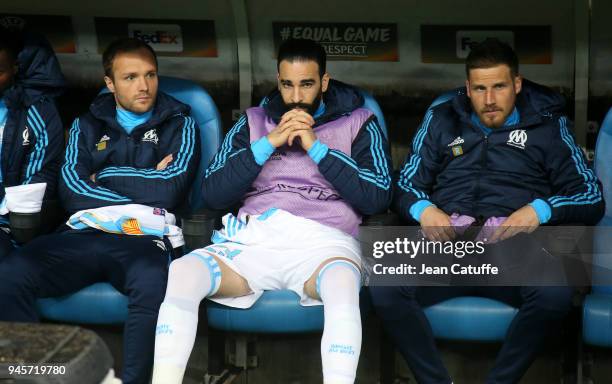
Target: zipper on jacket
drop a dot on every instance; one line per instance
(129, 150)
(483, 157)
(483, 164)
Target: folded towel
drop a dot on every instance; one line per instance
(461, 223)
(25, 198)
(130, 219)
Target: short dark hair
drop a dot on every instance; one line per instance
(123, 45)
(491, 53)
(10, 42)
(302, 50)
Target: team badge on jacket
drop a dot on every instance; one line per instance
(26, 137)
(456, 146)
(517, 138)
(102, 143)
(150, 136)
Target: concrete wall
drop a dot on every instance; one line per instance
(408, 76)
(84, 68)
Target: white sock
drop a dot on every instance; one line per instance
(190, 279)
(338, 285)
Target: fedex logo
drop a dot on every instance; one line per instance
(161, 37)
(465, 39)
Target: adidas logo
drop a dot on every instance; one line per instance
(457, 141)
(160, 244)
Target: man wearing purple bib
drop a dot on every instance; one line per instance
(304, 167)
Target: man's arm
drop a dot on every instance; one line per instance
(363, 179)
(416, 179)
(76, 190)
(163, 187)
(577, 196)
(44, 158)
(234, 168)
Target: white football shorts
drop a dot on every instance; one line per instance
(277, 250)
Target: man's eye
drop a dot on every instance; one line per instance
(151, 75)
(286, 86)
(130, 77)
(307, 85)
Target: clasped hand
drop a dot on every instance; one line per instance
(295, 126)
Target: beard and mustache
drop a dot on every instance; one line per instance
(310, 108)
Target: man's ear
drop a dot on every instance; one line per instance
(518, 83)
(278, 85)
(325, 82)
(467, 88)
(109, 84)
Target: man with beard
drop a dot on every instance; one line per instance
(305, 168)
(31, 132)
(135, 145)
(502, 154)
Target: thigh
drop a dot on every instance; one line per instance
(136, 265)
(300, 268)
(238, 266)
(310, 286)
(55, 264)
(512, 296)
(7, 244)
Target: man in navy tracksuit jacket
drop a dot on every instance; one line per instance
(31, 132)
(135, 145)
(495, 152)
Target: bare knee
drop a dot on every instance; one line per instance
(310, 286)
(232, 284)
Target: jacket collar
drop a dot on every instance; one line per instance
(104, 108)
(340, 99)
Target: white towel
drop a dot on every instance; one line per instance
(130, 219)
(25, 198)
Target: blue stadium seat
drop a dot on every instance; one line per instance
(100, 303)
(278, 311)
(597, 308)
(470, 318)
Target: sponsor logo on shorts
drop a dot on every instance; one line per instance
(223, 251)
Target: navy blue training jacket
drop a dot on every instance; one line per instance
(124, 163)
(226, 186)
(33, 140)
(461, 170)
